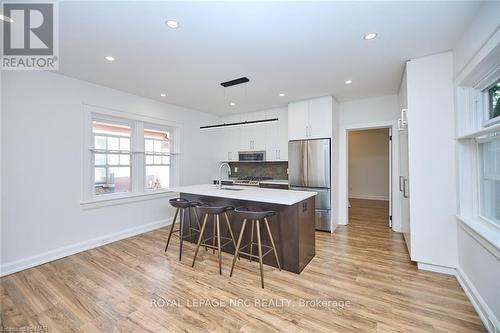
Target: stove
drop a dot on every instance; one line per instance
(250, 180)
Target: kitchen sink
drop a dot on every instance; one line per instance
(232, 189)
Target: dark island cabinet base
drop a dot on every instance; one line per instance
(292, 228)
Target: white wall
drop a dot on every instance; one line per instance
(369, 110)
(373, 112)
(478, 260)
(476, 34)
(42, 143)
(369, 164)
(431, 146)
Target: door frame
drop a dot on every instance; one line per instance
(343, 172)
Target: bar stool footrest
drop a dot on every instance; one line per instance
(228, 240)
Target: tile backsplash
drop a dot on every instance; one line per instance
(276, 170)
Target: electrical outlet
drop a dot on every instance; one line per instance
(236, 169)
(287, 171)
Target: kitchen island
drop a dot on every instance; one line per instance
(293, 226)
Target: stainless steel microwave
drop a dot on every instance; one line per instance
(251, 156)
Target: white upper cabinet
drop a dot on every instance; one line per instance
(310, 119)
(231, 138)
(276, 136)
(298, 120)
(269, 137)
(253, 137)
(320, 117)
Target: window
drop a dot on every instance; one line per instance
(128, 157)
(157, 154)
(111, 157)
(489, 152)
(494, 100)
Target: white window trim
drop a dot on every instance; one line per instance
(473, 123)
(138, 188)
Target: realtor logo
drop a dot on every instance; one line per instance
(29, 36)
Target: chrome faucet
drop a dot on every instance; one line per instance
(220, 173)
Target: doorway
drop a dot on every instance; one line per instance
(369, 171)
(342, 194)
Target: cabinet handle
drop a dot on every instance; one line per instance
(405, 182)
(401, 183)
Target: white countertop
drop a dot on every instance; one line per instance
(247, 193)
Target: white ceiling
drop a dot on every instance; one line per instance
(304, 49)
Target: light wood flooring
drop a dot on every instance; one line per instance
(363, 270)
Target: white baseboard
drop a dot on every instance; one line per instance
(368, 197)
(39, 259)
(436, 268)
(491, 322)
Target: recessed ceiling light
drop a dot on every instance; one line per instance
(371, 35)
(163, 95)
(6, 19)
(232, 103)
(348, 81)
(282, 94)
(109, 58)
(172, 24)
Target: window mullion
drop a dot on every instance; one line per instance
(138, 159)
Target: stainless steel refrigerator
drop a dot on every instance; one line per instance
(309, 169)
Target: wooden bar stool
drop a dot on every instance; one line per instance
(256, 218)
(183, 208)
(216, 237)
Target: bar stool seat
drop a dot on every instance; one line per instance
(215, 211)
(183, 206)
(256, 217)
(245, 213)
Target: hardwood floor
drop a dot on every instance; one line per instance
(363, 270)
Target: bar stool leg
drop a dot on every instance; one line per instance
(236, 254)
(199, 238)
(218, 244)
(171, 229)
(251, 239)
(199, 225)
(189, 223)
(260, 254)
(213, 237)
(181, 231)
(272, 242)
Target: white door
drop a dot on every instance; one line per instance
(298, 120)
(403, 186)
(390, 177)
(320, 117)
